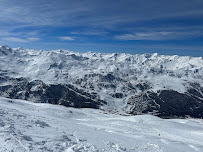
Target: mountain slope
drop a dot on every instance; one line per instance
(27, 126)
(167, 86)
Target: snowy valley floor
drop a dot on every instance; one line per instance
(27, 126)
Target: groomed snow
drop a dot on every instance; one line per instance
(27, 126)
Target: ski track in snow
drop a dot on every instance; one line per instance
(27, 127)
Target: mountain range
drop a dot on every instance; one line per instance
(160, 85)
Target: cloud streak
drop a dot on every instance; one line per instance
(14, 39)
(21, 40)
(66, 38)
(157, 36)
(33, 39)
(89, 32)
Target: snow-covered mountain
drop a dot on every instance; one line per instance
(166, 86)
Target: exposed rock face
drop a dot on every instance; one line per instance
(38, 91)
(167, 104)
(166, 86)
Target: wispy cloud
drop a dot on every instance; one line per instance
(33, 39)
(66, 38)
(90, 32)
(6, 32)
(21, 40)
(33, 33)
(14, 39)
(164, 35)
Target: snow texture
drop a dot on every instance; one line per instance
(38, 127)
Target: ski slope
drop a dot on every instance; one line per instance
(38, 127)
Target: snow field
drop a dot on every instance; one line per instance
(37, 127)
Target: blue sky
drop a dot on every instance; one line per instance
(130, 26)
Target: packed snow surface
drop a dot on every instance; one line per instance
(27, 126)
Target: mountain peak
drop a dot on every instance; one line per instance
(5, 50)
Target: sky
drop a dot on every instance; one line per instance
(123, 26)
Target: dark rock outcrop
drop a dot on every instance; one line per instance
(168, 104)
(38, 91)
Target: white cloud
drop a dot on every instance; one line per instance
(33, 33)
(14, 39)
(66, 38)
(33, 38)
(164, 35)
(144, 36)
(125, 37)
(21, 40)
(90, 32)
